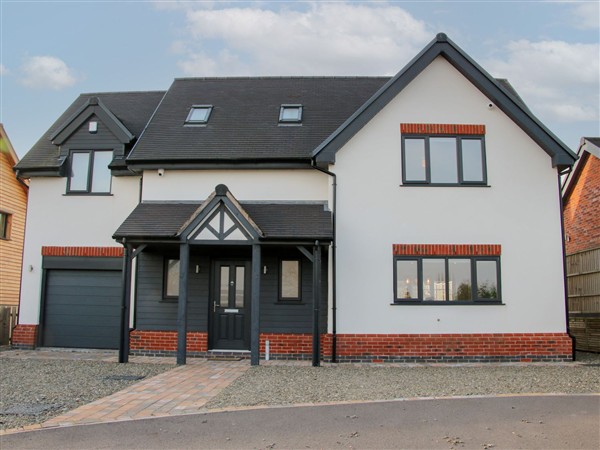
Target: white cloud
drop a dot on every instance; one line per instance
(321, 39)
(587, 15)
(560, 80)
(47, 72)
(3, 70)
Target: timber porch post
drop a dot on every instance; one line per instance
(255, 307)
(184, 263)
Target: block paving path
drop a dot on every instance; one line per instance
(183, 390)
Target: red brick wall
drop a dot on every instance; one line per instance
(166, 341)
(293, 344)
(441, 128)
(25, 336)
(501, 346)
(83, 251)
(524, 347)
(582, 208)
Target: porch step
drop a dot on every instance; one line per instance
(227, 355)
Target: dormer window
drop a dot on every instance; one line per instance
(290, 114)
(199, 114)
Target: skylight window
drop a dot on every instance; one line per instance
(290, 114)
(199, 114)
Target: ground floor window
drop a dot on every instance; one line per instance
(5, 220)
(446, 279)
(171, 279)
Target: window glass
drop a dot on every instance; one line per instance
(101, 175)
(4, 234)
(414, 160)
(172, 285)
(239, 286)
(487, 279)
(407, 280)
(459, 277)
(434, 279)
(290, 113)
(472, 164)
(290, 279)
(199, 114)
(442, 153)
(224, 292)
(80, 163)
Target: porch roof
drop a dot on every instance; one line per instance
(277, 221)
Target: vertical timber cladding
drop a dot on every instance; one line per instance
(81, 300)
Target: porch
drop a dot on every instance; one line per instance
(255, 279)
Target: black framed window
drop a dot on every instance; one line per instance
(443, 160)
(5, 221)
(171, 279)
(89, 172)
(290, 280)
(446, 280)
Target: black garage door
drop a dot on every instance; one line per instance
(82, 309)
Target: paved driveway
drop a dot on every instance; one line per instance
(533, 422)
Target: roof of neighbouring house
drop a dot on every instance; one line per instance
(244, 122)
(133, 109)
(165, 220)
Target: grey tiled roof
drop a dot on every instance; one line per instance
(276, 220)
(157, 220)
(133, 109)
(244, 123)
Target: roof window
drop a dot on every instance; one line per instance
(290, 114)
(199, 114)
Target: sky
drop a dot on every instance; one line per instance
(51, 51)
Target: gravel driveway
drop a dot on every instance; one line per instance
(32, 391)
(281, 385)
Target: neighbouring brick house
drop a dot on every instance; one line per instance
(581, 205)
(13, 208)
(411, 218)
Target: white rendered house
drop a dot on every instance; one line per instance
(413, 218)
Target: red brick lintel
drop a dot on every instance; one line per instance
(446, 249)
(441, 128)
(105, 252)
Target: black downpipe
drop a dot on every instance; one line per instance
(333, 263)
(564, 255)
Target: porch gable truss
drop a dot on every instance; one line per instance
(220, 219)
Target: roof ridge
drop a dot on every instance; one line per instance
(122, 92)
(292, 77)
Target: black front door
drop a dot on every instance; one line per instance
(230, 305)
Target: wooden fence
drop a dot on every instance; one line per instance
(583, 283)
(8, 320)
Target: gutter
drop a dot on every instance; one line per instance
(333, 261)
(20, 180)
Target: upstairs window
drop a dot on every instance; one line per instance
(290, 114)
(89, 172)
(199, 114)
(443, 154)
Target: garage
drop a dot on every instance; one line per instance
(82, 308)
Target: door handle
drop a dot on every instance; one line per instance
(214, 306)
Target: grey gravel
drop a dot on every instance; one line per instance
(282, 385)
(33, 391)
